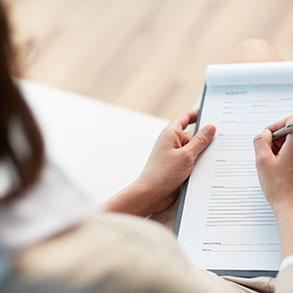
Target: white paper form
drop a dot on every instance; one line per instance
(226, 222)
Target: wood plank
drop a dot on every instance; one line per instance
(148, 55)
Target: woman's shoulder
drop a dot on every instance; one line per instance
(108, 252)
(102, 235)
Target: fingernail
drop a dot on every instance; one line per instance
(267, 132)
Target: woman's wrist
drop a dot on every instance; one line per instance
(284, 218)
(283, 208)
(131, 200)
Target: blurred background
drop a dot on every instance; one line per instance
(148, 55)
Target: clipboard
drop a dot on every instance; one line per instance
(234, 273)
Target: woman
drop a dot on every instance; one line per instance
(55, 248)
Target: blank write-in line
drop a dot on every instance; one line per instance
(232, 165)
(235, 135)
(241, 225)
(234, 170)
(252, 106)
(256, 212)
(237, 190)
(237, 202)
(254, 122)
(250, 244)
(235, 198)
(245, 101)
(257, 112)
(265, 122)
(237, 194)
(234, 139)
(243, 214)
(241, 210)
(241, 187)
(221, 171)
(229, 216)
(223, 202)
(227, 219)
(240, 216)
(235, 150)
(230, 194)
(246, 221)
(229, 168)
(235, 175)
(236, 205)
(238, 197)
(243, 251)
(229, 143)
(246, 169)
(235, 165)
(234, 143)
(233, 147)
(243, 163)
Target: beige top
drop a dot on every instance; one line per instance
(51, 206)
(106, 253)
(117, 253)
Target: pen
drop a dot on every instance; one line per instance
(282, 132)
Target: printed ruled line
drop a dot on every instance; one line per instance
(243, 251)
(241, 225)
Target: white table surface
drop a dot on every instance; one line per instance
(100, 147)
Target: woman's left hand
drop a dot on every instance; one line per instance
(170, 163)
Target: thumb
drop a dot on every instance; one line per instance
(263, 148)
(286, 151)
(201, 140)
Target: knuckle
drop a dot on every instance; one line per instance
(261, 160)
(166, 130)
(258, 138)
(188, 156)
(202, 139)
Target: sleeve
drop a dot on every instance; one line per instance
(284, 281)
(286, 262)
(113, 253)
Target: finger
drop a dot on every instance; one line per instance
(263, 148)
(186, 137)
(287, 147)
(201, 140)
(278, 125)
(277, 144)
(288, 137)
(289, 120)
(184, 120)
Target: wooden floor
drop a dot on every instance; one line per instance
(148, 55)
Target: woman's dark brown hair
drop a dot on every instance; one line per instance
(21, 142)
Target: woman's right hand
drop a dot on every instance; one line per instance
(274, 162)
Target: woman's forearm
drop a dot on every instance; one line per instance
(284, 218)
(131, 200)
